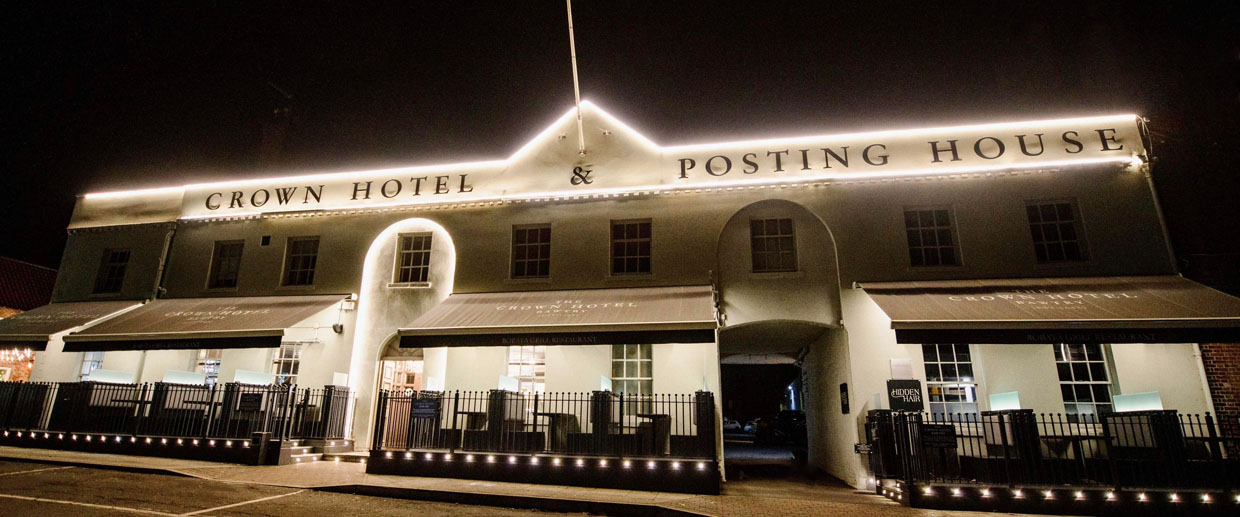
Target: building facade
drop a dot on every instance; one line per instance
(1026, 259)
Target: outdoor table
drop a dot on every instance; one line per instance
(660, 436)
(559, 427)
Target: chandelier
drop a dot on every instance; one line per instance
(16, 354)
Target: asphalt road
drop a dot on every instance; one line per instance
(36, 489)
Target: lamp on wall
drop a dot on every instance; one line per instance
(338, 328)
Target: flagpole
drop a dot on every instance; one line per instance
(572, 47)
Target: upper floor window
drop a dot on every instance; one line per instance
(773, 245)
(949, 379)
(630, 247)
(531, 251)
(413, 258)
(225, 262)
(1056, 230)
(1084, 380)
(931, 239)
(528, 365)
(111, 271)
(300, 258)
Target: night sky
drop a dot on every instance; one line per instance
(122, 95)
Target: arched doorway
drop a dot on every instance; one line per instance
(779, 289)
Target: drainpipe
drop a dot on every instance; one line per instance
(1142, 124)
(159, 282)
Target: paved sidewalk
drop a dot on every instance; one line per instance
(783, 497)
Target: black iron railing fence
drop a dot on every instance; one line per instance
(599, 423)
(1147, 449)
(231, 410)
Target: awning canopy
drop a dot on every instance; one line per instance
(1148, 309)
(684, 314)
(33, 328)
(195, 323)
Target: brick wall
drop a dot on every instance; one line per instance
(1222, 365)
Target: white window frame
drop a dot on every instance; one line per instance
(279, 359)
(400, 267)
(966, 385)
(91, 361)
(528, 367)
(1092, 365)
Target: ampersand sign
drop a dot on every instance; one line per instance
(581, 175)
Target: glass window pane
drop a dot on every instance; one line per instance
(929, 353)
(949, 372)
(1069, 395)
(1080, 372)
(1065, 372)
(1098, 371)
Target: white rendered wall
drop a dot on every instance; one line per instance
(252, 359)
(475, 368)
(159, 361)
(1173, 370)
(579, 368)
(831, 432)
(54, 364)
(1026, 369)
(326, 351)
(685, 368)
(383, 308)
